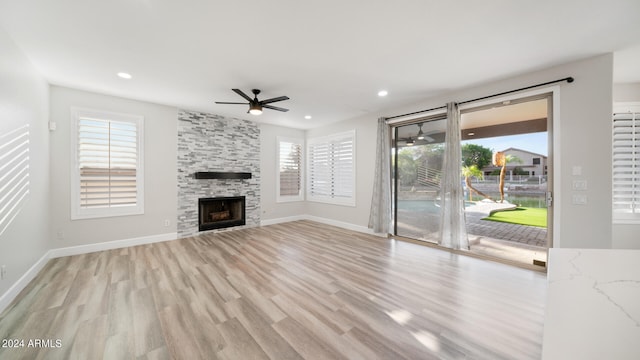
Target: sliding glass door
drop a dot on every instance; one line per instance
(506, 178)
(417, 163)
(510, 145)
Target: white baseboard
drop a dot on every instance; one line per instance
(340, 224)
(22, 282)
(283, 220)
(110, 245)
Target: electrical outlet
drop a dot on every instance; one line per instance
(579, 199)
(3, 272)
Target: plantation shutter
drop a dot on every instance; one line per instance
(108, 158)
(626, 166)
(331, 166)
(319, 169)
(290, 170)
(342, 158)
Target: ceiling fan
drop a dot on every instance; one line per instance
(255, 105)
(424, 136)
(421, 138)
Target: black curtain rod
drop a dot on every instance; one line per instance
(417, 112)
(567, 79)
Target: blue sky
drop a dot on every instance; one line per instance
(535, 142)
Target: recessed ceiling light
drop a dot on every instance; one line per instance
(125, 75)
(471, 134)
(307, 117)
(382, 93)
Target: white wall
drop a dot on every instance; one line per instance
(273, 211)
(24, 97)
(629, 92)
(365, 163)
(160, 142)
(626, 236)
(584, 116)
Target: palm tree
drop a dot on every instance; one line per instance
(501, 159)
(472, 171)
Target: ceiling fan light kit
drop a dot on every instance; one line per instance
(420, 133)
(255, 109)
(255, 105)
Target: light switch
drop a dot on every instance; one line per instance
(580, 185)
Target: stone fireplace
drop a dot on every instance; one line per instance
(221, 212)
(218, 157)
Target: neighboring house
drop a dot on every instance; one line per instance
(532, 163)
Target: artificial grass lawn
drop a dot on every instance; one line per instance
(521, 216)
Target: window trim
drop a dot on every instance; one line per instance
(77, 212)
(633, 109)
(351, 201)
(290, 198)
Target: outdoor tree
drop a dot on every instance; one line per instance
(474, 158)
(416, 159)
(407, 167)
(430, 155)
(472, 171)
(501, 159)
(473, 154)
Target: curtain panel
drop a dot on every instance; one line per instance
(453, 231)
(380, 215)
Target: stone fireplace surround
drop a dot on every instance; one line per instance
(208, 142)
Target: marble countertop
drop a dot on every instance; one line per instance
(593, 305)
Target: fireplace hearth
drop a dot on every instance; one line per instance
(221, 212)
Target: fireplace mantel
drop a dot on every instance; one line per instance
(222, 175)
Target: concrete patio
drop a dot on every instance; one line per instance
(507, 241)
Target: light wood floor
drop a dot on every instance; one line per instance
(287, 291)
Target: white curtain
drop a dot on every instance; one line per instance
(380, 215)
(453, 231)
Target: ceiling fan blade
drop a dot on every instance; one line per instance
(239, 92)
(275, 108)
(272, 100)
(235, 103)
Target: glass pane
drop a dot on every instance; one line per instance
(505, 178)
(420, 149)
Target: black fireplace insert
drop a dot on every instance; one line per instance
(221, 212)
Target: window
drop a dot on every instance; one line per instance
(536, 161)
(626, 167)
(107, 175)
(331, 169)
(289, 172)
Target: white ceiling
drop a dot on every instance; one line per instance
(330, 57)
